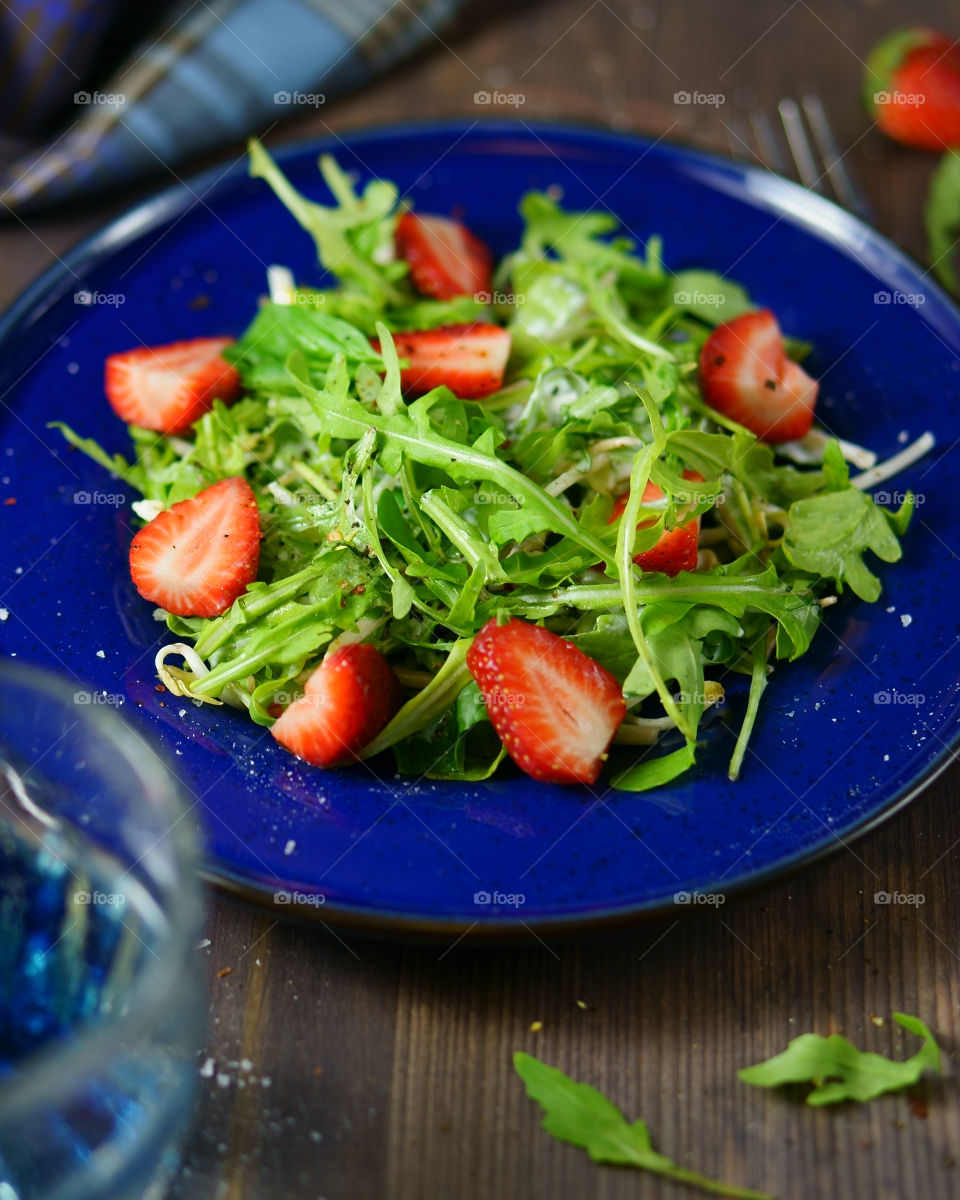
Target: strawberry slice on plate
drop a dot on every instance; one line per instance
(554, 708)
(468, 359)
(167, 388)
(746, 375)
(912, 88)
(445, 258)
(198, 556)
(347, 700)
(677, 548)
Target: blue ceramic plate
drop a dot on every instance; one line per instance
(845, 737)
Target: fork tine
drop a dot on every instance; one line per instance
(767, 143)
(817, 158)
(837, 173)
(799, 145)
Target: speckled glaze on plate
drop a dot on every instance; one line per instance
(845, 737)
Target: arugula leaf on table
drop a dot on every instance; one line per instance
(839, 1071)
(579, 1114)
(941, 216)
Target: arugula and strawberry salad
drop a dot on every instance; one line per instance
(464, 511)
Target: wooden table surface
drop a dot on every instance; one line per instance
(345, 1068)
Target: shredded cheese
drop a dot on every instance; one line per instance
(899, 462)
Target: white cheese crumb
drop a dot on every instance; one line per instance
(206, 1071)
(101, 654)
(147, 509)
(290, 847)
(4, 613)
(886, 758)
(223, 1080)
(906, 619)
(203, 944)
(281, 285)
(892, 608)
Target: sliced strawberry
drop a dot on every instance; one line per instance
(197, 557)
(445, 258)
(167, 388)
(554, 709)
(746, 375)
(912, 88)
(346, 702)
(468, 359)
(677, 548)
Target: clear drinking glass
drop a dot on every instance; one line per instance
(101, 1013)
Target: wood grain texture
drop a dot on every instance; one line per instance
(345, 1068)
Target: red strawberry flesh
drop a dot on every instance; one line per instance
(676, 549)
(347, 700)
(445, 258)
(167, 388)
(746, 375)
(197, 557)
(554, 708)
(468, 359)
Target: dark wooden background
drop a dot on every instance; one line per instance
(345, 1068)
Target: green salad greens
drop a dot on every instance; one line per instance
(411, 523)
(579, 1114)
(837, 1071)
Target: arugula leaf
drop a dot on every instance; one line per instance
(579, 1114)
(430, 704)
(460, 745)
(280, 329)
(654, 771)
(839, 1071)
(793, 605)
(709, 296)
(829, 534)
(941, 216)
(116, 464)
(348, 236)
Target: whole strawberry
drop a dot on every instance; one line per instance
(912, 88)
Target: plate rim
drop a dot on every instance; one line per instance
(180, 196)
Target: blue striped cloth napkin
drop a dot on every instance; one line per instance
(197, 76)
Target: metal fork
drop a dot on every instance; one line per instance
(811, 144)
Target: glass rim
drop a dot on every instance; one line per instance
(54, 1065)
